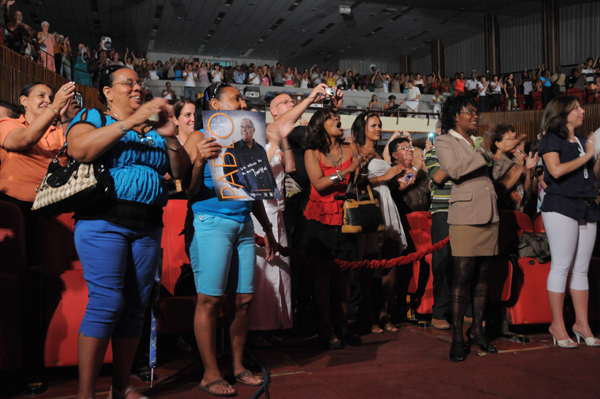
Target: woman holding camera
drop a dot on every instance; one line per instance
(329, 164)
(118, 238)
(472, 215)
(570, 215)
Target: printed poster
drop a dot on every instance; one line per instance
(242, 171)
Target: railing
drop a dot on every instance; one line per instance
(17, 71)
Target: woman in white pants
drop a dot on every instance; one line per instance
(570, 214)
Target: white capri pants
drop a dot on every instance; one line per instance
(571, 245)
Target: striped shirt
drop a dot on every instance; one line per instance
(440, 193)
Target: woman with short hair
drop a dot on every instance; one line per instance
(472, 215)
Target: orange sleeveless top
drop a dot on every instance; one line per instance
(324, 207)
(460, 85)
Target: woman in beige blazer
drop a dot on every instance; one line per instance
(472, 216)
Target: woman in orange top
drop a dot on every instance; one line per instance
(329, 163)
(459, 85)
(28, 144)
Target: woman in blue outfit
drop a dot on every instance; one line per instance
(222, 253)
(118, 239)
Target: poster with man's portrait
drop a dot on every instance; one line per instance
(241, 172)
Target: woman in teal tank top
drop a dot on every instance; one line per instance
(222, 252)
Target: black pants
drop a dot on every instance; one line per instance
(484, 103)
(441, 266)
(547, 95)
(529, 101)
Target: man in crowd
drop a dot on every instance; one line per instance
(412, 100)
(471, 85)
(589, 70)
(277, 74)
(254, 169)
(559, 79)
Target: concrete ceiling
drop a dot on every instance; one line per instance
(293, 31)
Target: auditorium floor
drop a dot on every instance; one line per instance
(410, 364)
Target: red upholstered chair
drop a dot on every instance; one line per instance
(577, 93)
(62, 262)
(522, 286)
(521, 101)
(538, 223)
(177, 312)
(421, 283)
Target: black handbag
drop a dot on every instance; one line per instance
(68, 188)
(361, 211)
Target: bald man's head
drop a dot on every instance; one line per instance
(280, 105)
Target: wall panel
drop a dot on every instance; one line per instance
(521, 43)
(579, 32)
(465, 56)
(362, 66)
(422, 65)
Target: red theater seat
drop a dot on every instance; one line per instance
(71, 293)
(421, 283)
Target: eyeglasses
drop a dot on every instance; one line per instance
(131, 83)
(405, 148)
(286, 102)
(247, 127)
(472, 113)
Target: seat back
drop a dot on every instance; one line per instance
(173, 243)
(421, 283)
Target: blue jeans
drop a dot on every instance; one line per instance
(223, 255)
(119, 266)
(189, 92)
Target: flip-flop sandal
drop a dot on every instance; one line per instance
(206, 388)
(375, 329)
(389, 327)
(240, 378)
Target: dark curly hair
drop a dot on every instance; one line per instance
(359, 127)
(451, 107)
(106, 80)
(556, 113)
(316, 136)
(498, 135)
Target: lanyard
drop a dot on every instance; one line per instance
(582, 153)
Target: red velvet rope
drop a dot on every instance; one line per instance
(346, 265)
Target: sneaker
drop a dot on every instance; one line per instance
(440, 324)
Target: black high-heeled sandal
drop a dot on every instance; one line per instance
(457, 352)
(480, 340)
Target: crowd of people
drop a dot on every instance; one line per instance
(84, 64)
(462, 179)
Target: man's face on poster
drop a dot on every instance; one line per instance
(247, 131)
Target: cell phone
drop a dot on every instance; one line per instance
(408, 177)
(431, 137)
(77, 96)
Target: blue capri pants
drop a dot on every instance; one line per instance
(223, 255)
(119, 266)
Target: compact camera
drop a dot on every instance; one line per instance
(330, 91)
